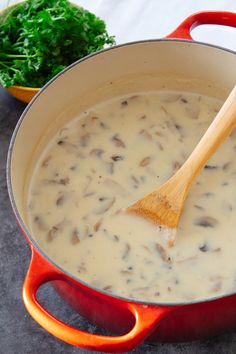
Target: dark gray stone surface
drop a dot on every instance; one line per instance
(19, 333)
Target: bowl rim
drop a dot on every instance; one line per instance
(23, 88)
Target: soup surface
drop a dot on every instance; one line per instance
(106, 159)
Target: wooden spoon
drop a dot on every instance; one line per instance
(163, 207)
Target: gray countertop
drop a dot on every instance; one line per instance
(19, 333)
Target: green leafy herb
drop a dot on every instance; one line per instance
(39, 38)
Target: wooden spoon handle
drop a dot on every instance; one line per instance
(218, 131)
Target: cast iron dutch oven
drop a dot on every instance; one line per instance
(152, 64)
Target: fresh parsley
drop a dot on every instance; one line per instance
(39, 38)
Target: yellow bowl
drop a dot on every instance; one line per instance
(24, 94)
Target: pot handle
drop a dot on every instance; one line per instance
(146, 317)
(203, 18)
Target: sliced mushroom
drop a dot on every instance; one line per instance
(206, 221)
(40, 222)
(126, 251)
(68, 147)
(163, 253)
(97, 225)
(55, 230)
(105, 206)
(75, 239)
(145, 161)
(146, 134)
(84, 139)
(46, 161)
(117, 158)
(117, 141)
(97, 152)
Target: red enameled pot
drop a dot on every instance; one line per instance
(176, 62)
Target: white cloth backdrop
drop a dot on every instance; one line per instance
(131, 20)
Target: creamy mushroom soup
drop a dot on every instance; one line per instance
(106, 159)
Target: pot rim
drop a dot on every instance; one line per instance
(21, 223)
